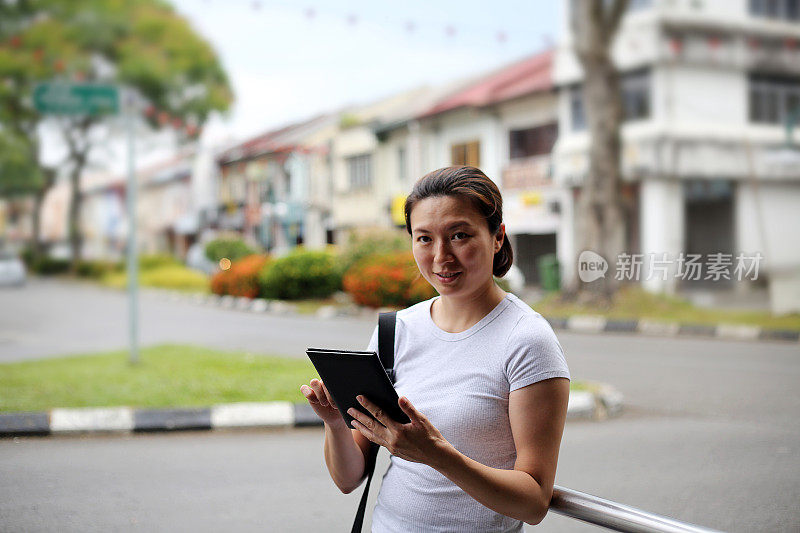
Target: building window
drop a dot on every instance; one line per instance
(532, 141)
(776, 9)
(577, 112)
(635, 87)
(402, 164)
(773, 98)
(468, 154)
(359, 171)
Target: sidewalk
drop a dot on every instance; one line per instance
(598, 404)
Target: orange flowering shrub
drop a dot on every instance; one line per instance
(241, 279)
(389, 279)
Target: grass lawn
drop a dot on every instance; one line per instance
(633, 303)
(167, 376)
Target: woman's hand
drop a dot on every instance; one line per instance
(321, 402)
(418, 441)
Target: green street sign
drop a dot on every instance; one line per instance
(75, 98)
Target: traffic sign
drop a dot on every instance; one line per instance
(75, 98)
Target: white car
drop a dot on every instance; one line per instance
(12, 269)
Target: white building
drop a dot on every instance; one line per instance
(707, 88)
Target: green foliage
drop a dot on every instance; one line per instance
(388, 279)
(97, 269)
(375, 242)
(299, 275)
(151, 261)
(232, 248)
(349, 120)
(19, 171)
(48, 266)
(174, 277)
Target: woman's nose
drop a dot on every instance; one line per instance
(442, 253)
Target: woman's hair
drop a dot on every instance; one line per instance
(474, 186)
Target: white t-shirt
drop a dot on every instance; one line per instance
(461, 382)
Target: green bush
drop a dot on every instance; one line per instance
(47, 266)
(229, 247)
(176, 277)
(375, 242)
(97, 269)
(301, 274)
(151, 261)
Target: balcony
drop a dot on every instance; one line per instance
(528, 172)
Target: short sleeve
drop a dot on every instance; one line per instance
(373, 342)
(534, 353)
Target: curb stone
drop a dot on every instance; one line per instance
(578, 323)
(597, 404)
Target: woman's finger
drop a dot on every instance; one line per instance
(378, 413)
(328, 396)
(316, 386)
(410, 410)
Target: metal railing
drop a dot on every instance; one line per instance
(615, 516)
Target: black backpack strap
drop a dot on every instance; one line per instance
(386, 325)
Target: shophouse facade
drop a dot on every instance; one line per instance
(275, 189)
(505, 123)
(707, 89)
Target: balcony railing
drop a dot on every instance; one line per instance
(615, 516)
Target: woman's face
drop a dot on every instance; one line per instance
(452, 245)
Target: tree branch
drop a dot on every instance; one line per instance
(613, 16)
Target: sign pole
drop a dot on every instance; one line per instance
(133, 263)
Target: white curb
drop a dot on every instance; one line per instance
(650, 327)
(581, 403)
(252, 414)
(739, 332)
(259, 305)
(91, 419)
(586, 323)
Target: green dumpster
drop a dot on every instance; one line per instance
(549, 272)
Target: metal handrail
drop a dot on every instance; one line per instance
(616, 516)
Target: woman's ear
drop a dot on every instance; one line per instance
(499, 238)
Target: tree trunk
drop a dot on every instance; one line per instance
(37, 250)
(75, 236)
(600, 220)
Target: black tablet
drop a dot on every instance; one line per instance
(347, 374)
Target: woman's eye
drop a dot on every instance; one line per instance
(460, 235)
(423, 238)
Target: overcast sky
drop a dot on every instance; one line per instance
(288, 60)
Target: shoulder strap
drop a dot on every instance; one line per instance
(386, 326)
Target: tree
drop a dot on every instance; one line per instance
(139, 44)
(600, 215)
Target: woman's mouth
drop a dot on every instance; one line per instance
(447, 277)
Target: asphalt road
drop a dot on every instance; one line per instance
(710, 433)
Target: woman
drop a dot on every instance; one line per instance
(483, 378)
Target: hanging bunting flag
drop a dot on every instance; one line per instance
(502, 37)
(450, 31)
(352, 20)
(310, 13)
(410, 26)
